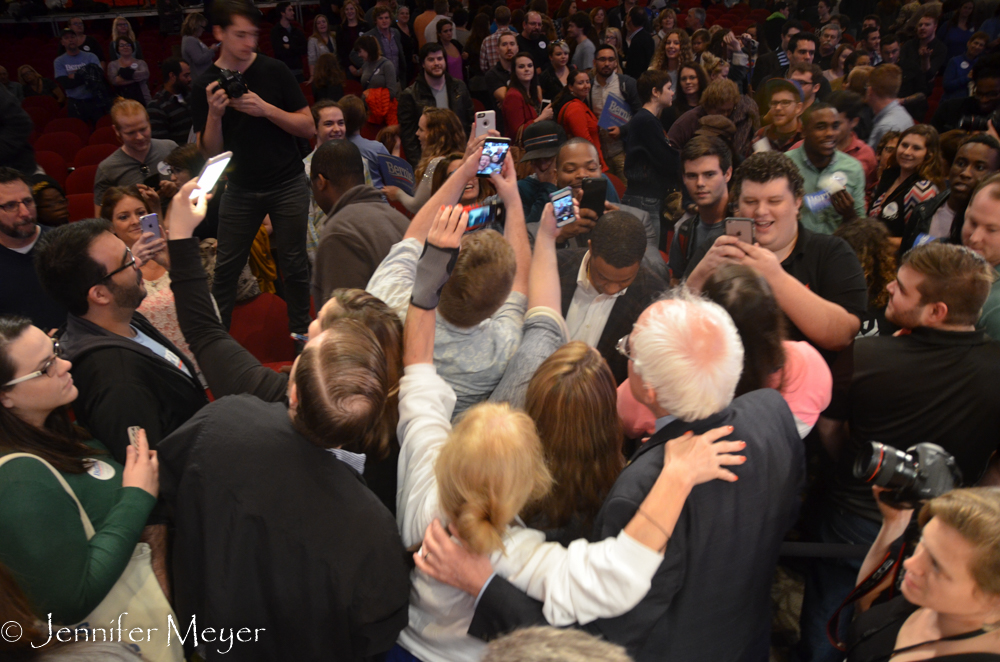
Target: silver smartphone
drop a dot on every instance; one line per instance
(486, 121)
(150, 223)
(210, 174)
(743, 229)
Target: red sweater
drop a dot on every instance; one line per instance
(516, 112)
(581, 122)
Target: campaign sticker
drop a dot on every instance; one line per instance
(100, 470)
(891, 210)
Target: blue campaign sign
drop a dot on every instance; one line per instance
(396, 172)
(615, 113)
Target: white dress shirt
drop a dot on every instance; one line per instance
(589, 311)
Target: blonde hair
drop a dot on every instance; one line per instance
(123, 107)
(975, 513)
(114, 30)
(192, 23)
(445, 135)
(490, 467)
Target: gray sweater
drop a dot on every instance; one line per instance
(380, 73)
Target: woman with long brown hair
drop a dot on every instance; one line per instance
(574, 114)
(522, 103)
(674, 51)
(440, 133)
(870, 241)
(915, 174)
(327, 78)
(320, 41)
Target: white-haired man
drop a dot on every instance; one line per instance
(685, 359)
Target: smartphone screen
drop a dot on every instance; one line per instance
(595, 192)
(562, 206)
(150, 223)
(494, 152)
(741, 228)
(210, 174)
(479, 217)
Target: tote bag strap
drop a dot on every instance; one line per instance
(87, 526)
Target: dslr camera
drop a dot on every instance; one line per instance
(918, 474)
(233, 84)
(978, 122)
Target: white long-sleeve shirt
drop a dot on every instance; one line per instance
(581, 583)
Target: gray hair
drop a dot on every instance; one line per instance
(549, 644)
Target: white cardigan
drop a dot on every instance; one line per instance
(578, 584)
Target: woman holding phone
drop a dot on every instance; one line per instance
(522, 103)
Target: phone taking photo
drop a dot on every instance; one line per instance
(743, 229)
(150, 223)
(210, 174)
(486, 121)
(494, 152)
(595, 192)
(562, 206)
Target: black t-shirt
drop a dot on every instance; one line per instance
(264, 155)
(496, 77)
(827, 266)
(927, 386)
(537, 48)
(22, 293)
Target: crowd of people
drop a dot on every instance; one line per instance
(580, 435)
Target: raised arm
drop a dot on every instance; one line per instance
(514, 228)
(544, 288)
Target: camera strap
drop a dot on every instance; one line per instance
(891, 562)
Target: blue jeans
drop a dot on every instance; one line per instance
(651, 206)
(240, 215)
(830, 580)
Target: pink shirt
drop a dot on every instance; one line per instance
(804, 382)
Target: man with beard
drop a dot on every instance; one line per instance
(127, 372)
(934, 382)
(532, 41)
(943, 216)
(169, 112)
(19, 232)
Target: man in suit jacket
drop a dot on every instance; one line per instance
(639, 43)
(605, 287)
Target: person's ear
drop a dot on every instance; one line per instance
(99, 294)
(320, 182)
(6, 400)
(854, 123)
(937, 312)
(293, 397)
(217, 32)
(729, 173)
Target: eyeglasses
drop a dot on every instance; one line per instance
(14, 205)
(129, 263)
(782, 103)
(624, 346)
(44, 370)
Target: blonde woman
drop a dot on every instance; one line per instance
(674, 51)
(613, 37)
(198, 56)
(120, 27)
(480, 474)
(320, 41)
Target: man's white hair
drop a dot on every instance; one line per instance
(688, 350)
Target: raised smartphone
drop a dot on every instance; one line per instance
(595, 192)
(742, 228)
(494, 152)
(210, 174)
(486, 121)
(562, 206)
(150, 223)
(133, 436)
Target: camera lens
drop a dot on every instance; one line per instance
(885, 466)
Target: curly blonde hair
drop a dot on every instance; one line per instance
(444, 136)
(685, 56)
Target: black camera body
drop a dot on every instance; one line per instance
(919, 474)
(233, 84)
(978, 122)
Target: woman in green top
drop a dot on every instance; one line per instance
(42, 539)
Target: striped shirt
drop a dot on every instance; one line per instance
(170, 117)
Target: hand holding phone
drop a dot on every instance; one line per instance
(150, 223)
(595, 192)
(133, 436)
(743, 229)
(562, 206)
(486, 121)
(494, 152)
(210, 174)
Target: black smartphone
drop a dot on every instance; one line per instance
(595, 192)
(562, 206)
(494, 152)
(743, 229)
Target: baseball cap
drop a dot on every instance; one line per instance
(773, 85)
(542, 140)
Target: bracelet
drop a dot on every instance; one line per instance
(657, 525)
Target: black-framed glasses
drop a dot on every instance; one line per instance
(44, 369)
(14, 205)
(129, 263)
(624, 346)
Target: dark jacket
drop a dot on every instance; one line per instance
(629, 92)
(646, 287)
(639, 53)
(923, 214)
(418, 96)
(123, 383)
(355, 238)
(275, 532)
(723, 552)
(15, 129)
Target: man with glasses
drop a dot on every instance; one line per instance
(126, 371)
(608, 82)
(21, 293)
(532, 41)
(783, 99)
(986, 77)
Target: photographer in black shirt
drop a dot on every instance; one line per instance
(260, 127)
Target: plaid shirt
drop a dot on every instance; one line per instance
(489, 54)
